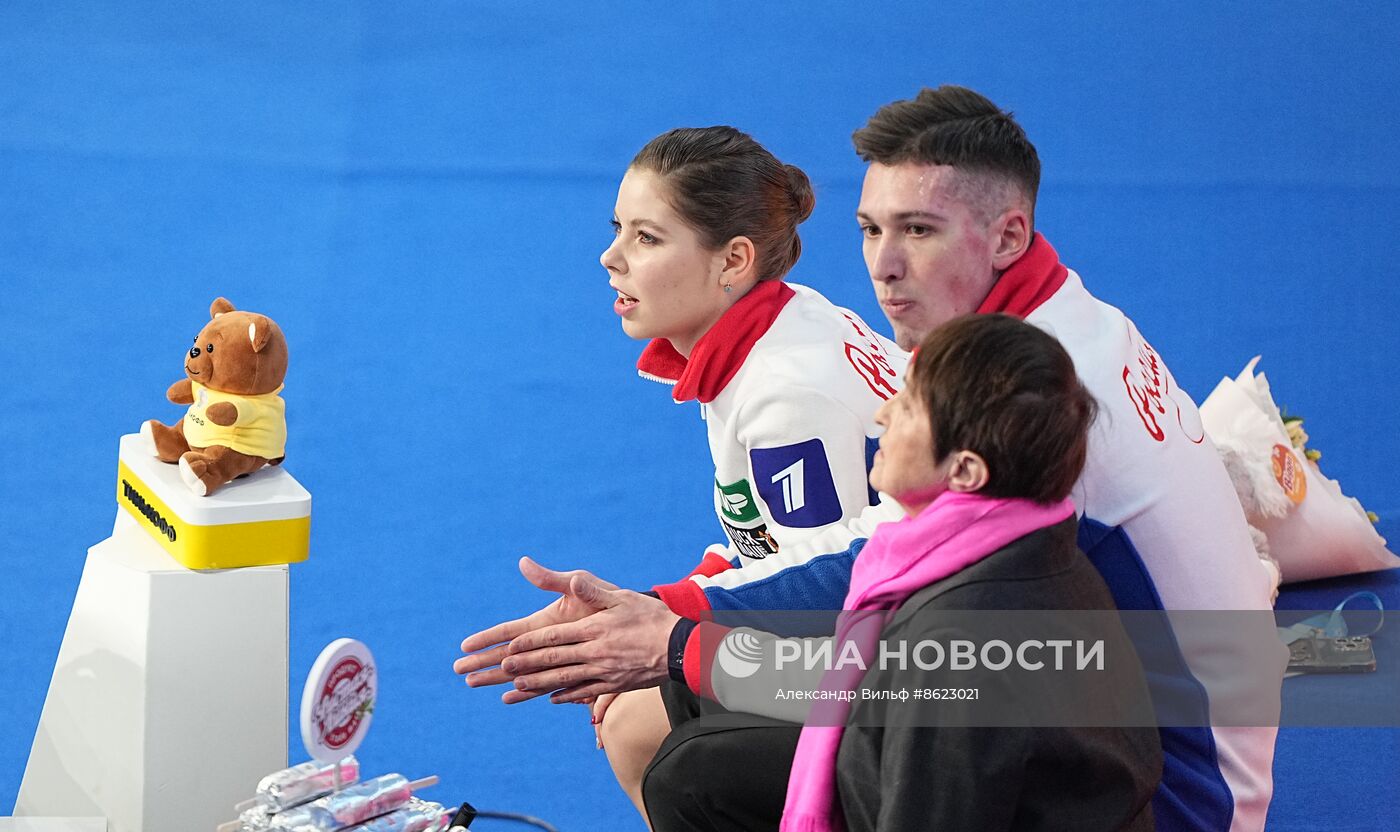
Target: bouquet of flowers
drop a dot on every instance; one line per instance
(1302, 521)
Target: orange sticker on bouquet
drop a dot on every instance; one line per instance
(1289, 473)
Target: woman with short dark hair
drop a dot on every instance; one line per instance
(981, 448)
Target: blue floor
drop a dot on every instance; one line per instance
(419, 192)
(1312, 766)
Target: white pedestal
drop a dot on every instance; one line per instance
(169, 698)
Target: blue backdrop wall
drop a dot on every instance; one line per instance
(419, 192)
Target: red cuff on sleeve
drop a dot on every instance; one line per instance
(712, 565)
(700, 651)
(685, 598)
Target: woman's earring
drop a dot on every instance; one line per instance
(728, 288)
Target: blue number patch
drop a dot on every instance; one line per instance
(795, 481)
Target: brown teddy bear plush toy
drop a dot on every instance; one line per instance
(236, 423)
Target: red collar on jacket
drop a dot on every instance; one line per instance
(1028, 283)
(721, 351)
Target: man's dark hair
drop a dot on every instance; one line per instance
(1006, 390)
(726, 185)
(952, 126)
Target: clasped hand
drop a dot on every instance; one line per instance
(592, 640)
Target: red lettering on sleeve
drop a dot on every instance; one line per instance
(876, 371)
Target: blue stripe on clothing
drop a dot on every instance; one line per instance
(1193, 794)
(818, 584)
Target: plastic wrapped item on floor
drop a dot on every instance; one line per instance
(347, 807)
(417, 816)
(290, 787)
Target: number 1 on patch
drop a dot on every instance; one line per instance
(793, 492)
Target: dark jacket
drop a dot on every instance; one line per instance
(897, 771)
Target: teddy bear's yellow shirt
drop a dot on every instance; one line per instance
(260, 430)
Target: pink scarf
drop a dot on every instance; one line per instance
(952, 533)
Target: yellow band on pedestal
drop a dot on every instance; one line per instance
(223, 546)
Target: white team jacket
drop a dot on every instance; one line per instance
(788, 386)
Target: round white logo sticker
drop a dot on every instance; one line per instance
(338, 700)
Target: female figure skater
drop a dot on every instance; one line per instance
(705, 229)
